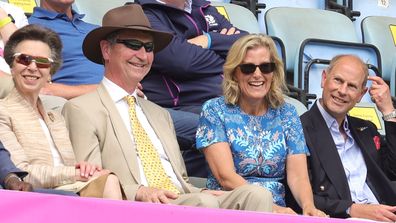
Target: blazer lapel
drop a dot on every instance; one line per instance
(323, 143)
(121, 133)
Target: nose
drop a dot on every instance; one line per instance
(141, 53)
(342, 89)
(32, 66)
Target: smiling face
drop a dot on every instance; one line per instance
(255, 86)
(343, 87)
(124, 66)
(30, 79)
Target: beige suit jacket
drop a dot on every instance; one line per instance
(22, 135)
(99, 136)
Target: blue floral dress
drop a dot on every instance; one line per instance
(259, 144)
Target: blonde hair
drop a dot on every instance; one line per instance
(235, 57)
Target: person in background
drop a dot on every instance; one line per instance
(351, 167)
(37, 139)
(77, 75)
(251, 135)
(11, 18)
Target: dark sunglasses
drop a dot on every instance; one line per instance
(249, 68)
(41, 62)
(135, 44)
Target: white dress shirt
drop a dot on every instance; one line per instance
(117, 95)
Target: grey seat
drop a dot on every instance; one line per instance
(377, 30)
(294, 25)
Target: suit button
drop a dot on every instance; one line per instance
(322, 188)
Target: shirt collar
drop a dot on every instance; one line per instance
(43, 13)
(117, 93)
(330, 120)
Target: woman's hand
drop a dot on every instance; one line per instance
(282, 210)
(85, 170)
(312, 211)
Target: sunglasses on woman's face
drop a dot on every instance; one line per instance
(25, 59)
(135, 44)
(249, 68)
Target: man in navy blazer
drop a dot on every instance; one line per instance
(10, 175)
(351, 168)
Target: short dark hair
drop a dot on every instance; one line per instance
(37, 33)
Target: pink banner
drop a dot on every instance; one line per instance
(21, 207)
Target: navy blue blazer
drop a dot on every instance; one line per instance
(328, 179)
(7, 166)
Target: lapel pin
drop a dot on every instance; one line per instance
(51, 116)
(362, 128)
(322, 188)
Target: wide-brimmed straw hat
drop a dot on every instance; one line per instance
(127, 17)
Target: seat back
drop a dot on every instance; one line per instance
(372, 8)
(239, 16)
(94, 10)
(300, 107)
(294, 25)
(381, 32)
(315, 54)
(316, 4)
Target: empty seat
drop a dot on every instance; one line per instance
(94, 10)
(239, 16)
(377, 30)
(316, 4)
(294, 25)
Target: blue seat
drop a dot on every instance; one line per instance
(318, 4)
(294, 25)
(377, 31)
(94, 10)
(239, 16)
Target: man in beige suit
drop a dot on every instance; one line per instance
(100, 127)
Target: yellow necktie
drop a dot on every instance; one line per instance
(152, 166)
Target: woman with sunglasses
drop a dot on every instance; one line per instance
(251, 135)
(37, 139)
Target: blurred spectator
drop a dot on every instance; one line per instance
(11, 18)
(77, 74)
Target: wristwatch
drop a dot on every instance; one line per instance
(389, 116)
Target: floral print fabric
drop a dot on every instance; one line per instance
(259, 144)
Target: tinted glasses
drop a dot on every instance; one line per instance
(135, 44)
(41, 62)
(249, 68)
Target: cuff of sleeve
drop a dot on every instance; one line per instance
(209, 40)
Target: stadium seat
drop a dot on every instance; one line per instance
(294, 25)
(94, 10)
(315, 54)
(372, 8)
(377, 30)
(239, 16)
(300, 107)
(318, 4)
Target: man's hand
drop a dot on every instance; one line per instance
(312, 211)
(380, 94)
(230, 31)
(377, 212)
(13, 182)
(201, 41)
(154, 195)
